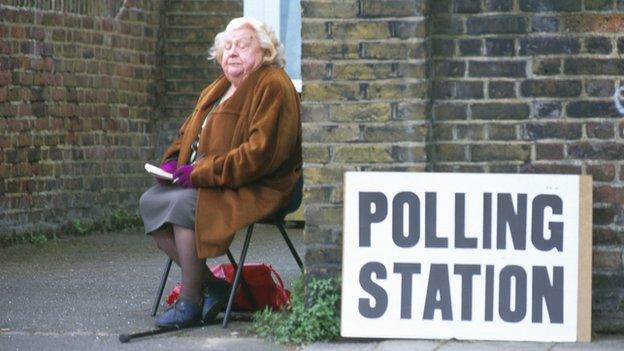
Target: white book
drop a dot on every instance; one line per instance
(158, 172)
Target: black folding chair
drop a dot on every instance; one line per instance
(276, 219)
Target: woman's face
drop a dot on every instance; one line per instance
(242, 53)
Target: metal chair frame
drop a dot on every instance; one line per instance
(238, 277)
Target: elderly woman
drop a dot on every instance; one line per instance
(236, 160)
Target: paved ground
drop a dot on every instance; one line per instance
(80, 293)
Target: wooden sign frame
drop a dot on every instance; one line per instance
(380, 247)
(585, 259)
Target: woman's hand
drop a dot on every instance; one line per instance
(168, 166)
(182, 176)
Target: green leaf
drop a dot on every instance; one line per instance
(308, 318)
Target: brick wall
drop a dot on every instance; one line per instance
(77, 90)
(516, 86)
(525, 86)
(89, 91)
(364, 106)
(189, 30)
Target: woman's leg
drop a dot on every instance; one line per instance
(192, 305)
(166, 242)
(193, 268)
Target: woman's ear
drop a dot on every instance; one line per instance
(266, 56)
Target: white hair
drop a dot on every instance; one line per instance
(269, 41)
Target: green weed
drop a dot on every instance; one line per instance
(37, 238)
(308, 318)
(121, 220)
(117, 219)
(80, 227)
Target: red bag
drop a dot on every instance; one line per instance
(265, 284)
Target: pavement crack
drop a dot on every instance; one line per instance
(440, 344)
(48, 333)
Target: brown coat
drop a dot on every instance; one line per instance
(250, 155)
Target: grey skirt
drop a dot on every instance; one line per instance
(163, 204)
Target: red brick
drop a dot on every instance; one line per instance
(603, 150)
(136, 30)
(36, 33)
(59, 35)
(59, 94)
(602, 172)
(607, 236)
(5, 78)
(87, 22)
(107, 25)
(24, 110)
(6, 63)
(5, 141)
(57, 124)
(603, 215)
(39, 79)
(22, 62)
(603, 130)
(608, 194)
(551, 168)
(13, 125)
(18, 32)
(48, 64)
(36, 64)
(5, 47)
(587, 22)
(125, 28)
(607, 257)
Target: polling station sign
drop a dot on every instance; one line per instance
(467, 256)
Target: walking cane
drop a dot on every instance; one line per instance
(124, 338)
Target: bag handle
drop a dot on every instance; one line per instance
(275, 275)
(283, 296)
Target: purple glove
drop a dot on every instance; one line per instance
(182, 176)
(167, 166)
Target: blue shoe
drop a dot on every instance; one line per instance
(183, 313)
(215, 294)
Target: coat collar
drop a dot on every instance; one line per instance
(221, 85)
(209, 96)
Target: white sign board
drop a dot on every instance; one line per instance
(467, 256)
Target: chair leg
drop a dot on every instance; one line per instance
(231, 258)
(163, 281)
(246, 288)
(237, 277)
(280, 226)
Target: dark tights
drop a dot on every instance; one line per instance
(179, 244)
